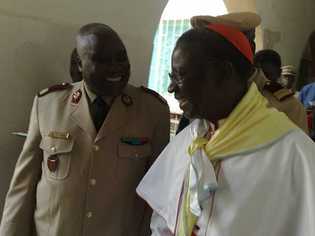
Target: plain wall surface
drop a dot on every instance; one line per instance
(246, 6)
(286, 26)
(35, 44)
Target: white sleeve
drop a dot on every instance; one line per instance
(158, 226)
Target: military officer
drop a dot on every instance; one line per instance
(283, 99)
(269, 61)
(278, 96)
(88, 146)
(288, 76)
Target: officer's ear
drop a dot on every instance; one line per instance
(79, 64)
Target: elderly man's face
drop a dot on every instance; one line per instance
(193, 84)
(104, 63)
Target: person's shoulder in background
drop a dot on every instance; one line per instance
(307, 94)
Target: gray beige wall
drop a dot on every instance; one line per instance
(286, 26)
(246, 5)
(35, 43)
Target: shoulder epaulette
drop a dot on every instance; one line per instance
(282, 94)
(278, 91)
(272, 86)
(155, 94)
(57, 87)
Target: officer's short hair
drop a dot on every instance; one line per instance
(96, 29)
(267, 56)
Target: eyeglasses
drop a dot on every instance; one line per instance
(175, 78)
(178, 79)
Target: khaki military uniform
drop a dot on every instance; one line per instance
(90, 189)
(283, 99)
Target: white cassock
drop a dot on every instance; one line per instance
(269, 191)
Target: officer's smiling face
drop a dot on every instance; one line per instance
(104, 63)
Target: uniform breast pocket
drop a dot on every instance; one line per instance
(134, 152)
(132, 164)
(57, 157)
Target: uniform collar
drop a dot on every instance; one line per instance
(92, 96)
(259, 78)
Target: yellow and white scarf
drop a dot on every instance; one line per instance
(250, 125)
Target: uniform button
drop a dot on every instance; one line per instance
(93, 182)
(96, 148)
(89, 214)
(53, 149)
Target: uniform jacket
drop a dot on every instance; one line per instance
(284, 101)
(90, 191)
